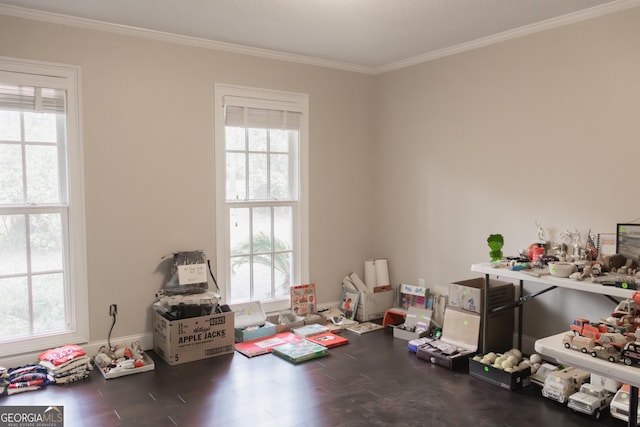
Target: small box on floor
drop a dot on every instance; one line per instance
(459, 341)
(251, 322)
(500, 377)
(186, 340)
(416, 324)
(285, 321)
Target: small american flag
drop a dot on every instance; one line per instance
(590, 249)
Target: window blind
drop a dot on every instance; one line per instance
(30, 98)
(251, 113)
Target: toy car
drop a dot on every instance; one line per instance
(591, 399)
(631, 353)
(619, 407)
(561, 384)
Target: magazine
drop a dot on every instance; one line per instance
(363, 328)
(300, 351)
(264, 345)
(303, 299)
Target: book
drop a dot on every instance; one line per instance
(264, 345)
(349, 302)
(606, 243)
(310, 330)
(329, 339)
(363, 328)
(303, 299)
(300, 351)
(413, 296)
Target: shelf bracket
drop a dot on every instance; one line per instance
(521, 300)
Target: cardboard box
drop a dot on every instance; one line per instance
(372, 305)
(311, 318)
(460, 329)
(251, 322)
(414, 316)
(495, 376)
(468, 294)
(285, 321)
(186, 340)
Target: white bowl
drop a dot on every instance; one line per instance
(561, 269)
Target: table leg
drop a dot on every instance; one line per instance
(520, 316)
(633, 406)
(485, 314)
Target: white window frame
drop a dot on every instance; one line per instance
(262, 97)
(75, 264)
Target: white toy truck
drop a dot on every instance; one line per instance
(561, 384)
(594, 398)
(541, 374)
(620, 405)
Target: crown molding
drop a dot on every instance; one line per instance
(571, 18)
(91, 24)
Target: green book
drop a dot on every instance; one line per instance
(300, 351)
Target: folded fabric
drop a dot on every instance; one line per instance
(31, 376)
(68, 365)
(27, 369)
(71, 377)
(14, 390)
(70, 371)
(60, 355)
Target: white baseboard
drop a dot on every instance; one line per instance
(91, 348)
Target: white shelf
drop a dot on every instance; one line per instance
(583, 286)
(552, 347)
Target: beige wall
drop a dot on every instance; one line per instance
(418, 165)
(541, 128)
(149, 158)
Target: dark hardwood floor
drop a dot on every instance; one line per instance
(372, 381)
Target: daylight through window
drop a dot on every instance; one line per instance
(263, 199)
(36, 280)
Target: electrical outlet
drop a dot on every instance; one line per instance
(113, 309)
(421, 283)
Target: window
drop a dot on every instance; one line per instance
(261, 186)
(42, 251)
